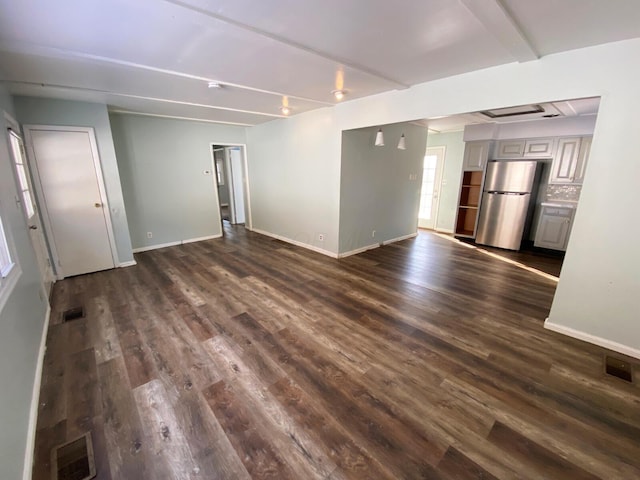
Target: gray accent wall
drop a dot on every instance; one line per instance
(46, 111)
(21, 321)
(376, 192)
(161, 162)
(450, 187)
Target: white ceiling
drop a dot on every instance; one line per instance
(157, 56)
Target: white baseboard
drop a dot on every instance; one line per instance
(35, 400)
(358, 250)
(173, 244)
(201, 239)
(297, 243)
(399, 239)
(130, 263)
(376, 245)
(587, 337)
(155, 247)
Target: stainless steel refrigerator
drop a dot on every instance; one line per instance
(506, 199)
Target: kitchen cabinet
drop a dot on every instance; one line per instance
(563, 169)
(539, 148)
(554, 227)
(476, 155)
(469, 203)
(509, 149)
(524, 148)
(583, 158)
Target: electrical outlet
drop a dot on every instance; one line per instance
(321, 237)
(373, 233)
(149, 235)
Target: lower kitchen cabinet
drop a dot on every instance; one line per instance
(554, 227)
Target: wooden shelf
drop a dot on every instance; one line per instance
(465, 233)
(468, 206)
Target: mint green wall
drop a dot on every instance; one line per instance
(21, 322)
(375, 190)
(161, 164)
(46, 111)
(454, 153)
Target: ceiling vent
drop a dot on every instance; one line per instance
(512, 111)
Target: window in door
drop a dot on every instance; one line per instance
(431, 179)
(19, 158)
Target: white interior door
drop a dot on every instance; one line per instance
(74, 200)
(30, 209)
(237, 184)
(431, 181)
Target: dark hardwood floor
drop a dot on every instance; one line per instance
(245, 357)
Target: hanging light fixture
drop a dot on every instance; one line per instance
(401, 143)
(379, 139)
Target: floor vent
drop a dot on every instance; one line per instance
(618, 368)
(73, 314)
(73, 460)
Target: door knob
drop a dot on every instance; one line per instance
(97, 205)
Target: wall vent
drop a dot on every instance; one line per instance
(73, 314)
(74, 460)
(618, 368)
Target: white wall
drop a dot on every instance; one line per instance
(294, 173)
(161, 162)
(597, 293)
(376, 193)
(21, 322)
(450, 187)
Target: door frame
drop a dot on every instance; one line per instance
(437, 181)
(106, 210)
(245, 174)
(42, 254)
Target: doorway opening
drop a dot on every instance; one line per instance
(430, 191)
(231, 182)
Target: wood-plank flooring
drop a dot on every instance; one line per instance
(248, 358)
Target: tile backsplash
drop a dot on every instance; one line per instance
(563, 192)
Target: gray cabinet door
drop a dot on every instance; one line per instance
(554, 228)
(509, 149)
(583, 159)
(563, 169)
(476, 155)
(539, 148)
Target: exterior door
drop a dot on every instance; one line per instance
(30, 209)
(430, 192)
(236, 184)
(73, 197)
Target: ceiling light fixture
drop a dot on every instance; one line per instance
(379, 139)
(285, 110)
(214, 85)
(339, 94)
(401, 143)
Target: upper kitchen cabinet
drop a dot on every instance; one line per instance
(476, 155)
(583, 158)
(570, 161)
(524, 148)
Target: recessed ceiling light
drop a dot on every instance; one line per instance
(339, 94)
(285, 110)
(214, 85)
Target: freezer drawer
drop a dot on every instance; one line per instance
(515, 176)
(502, 220)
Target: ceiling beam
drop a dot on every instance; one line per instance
(497, 20)
(53, 52)
(140, 97)
(290, 43)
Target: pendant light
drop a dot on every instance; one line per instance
(379, 139)
(401, 144)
